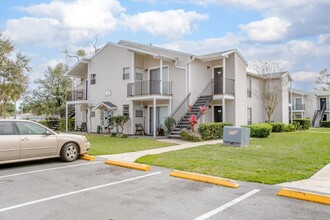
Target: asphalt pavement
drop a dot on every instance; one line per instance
(51, 189)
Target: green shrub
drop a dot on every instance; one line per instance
(290, 128)
(122, 135)
(305, 123)
(71, 124)
(212, 130)
(169, 124)
(113, 134)
(278, 127)
(325, 124)
(261, 130)
(58, 124)
(188, 135)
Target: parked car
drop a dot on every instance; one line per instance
(22, 140)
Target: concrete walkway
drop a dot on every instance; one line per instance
(319, 182)
(132, 156)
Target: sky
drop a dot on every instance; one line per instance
(295, 33)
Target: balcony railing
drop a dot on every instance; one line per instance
(75, 95)
(298, 107)
(230, 86)
(327, 106)
(151, 87)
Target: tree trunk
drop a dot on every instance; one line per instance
(268, 116)
(4, 108)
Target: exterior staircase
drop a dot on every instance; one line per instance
(184, 122)
(318, 115)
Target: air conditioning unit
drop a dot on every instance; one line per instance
(236, 136)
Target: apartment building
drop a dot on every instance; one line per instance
(149, 83)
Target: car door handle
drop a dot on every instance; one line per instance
(25, 139)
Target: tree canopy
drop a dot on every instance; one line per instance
(50, 97)
(13, 81)
(322, 80)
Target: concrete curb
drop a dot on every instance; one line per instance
(302, 195)
(205, 178)
(87, 157)
(135, 166)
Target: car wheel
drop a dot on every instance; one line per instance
(69, 152)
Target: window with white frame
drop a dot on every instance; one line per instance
(138, 73)
(93, 79)
(126, 110)
(139, 113)
(249, 88)
(249, 116)
(125, 73)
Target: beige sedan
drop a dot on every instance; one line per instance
(22, 140)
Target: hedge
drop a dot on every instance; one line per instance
(305, 123)
(261, 130)
(290, 128)
(212, 130)
(325, 124)
(278, 127)
(58, 124)
(188, 135)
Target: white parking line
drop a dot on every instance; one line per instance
(75, 192)
(49, 169)
(227, 205)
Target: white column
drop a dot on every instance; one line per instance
(133, 73)
(291, 102)
(170, 107)
(224, 75)
(131, 114)
(154, 125)
(161, 77)
(223, 110)
(66, 117)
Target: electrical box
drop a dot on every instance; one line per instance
(236, 136)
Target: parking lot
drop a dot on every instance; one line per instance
(51, 189)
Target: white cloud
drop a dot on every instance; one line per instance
(64, 22)
(269, 29)
(172, 24)
(304, 76)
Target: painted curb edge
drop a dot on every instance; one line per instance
(87, 157)
(302, 195)
(205, 178)
(135, 166)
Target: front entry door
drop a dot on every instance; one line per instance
(322, 102)
(218, 77)
(217, 113)
(325, 118)
(161, 114)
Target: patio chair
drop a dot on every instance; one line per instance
(82, 127)
(139, 129)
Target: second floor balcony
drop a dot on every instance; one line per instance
(229, 85)
(298, 107)
(150, 87)
(76, 95)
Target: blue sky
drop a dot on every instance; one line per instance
(295, 33)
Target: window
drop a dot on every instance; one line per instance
(126, 73)
(6, 128)
(29, 128)
(249, 116)
(249, 93)
(138, 113)
(126, 110)
(138, 73)
(92, 114)
(93, 79)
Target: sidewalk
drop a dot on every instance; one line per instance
(132, 156)
(319, 182)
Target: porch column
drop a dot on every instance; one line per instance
(161, 77)
(154, 108)
(223, 110)
(133, 73)
(66, 117)
(291, 113)
(170, 107)
(224, 75)
(131, 113)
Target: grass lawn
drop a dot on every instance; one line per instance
(319, 130)
(283, 157)
(101, 145)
